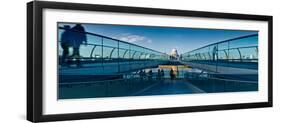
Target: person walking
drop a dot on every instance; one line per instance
(150, 74)
(78, 37)
(141, 74)
(162, 74)
(65, 43)
(158, 74)
(215, 53)
(172, 74)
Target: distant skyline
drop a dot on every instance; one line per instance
(164, 39)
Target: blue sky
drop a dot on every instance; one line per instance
(164, 39)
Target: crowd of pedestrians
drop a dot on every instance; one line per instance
(160, 74)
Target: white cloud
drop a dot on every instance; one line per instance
(134, 38)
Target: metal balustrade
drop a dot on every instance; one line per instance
(241, 49)
(101, 49)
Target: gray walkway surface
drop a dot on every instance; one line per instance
(169, 87)
(121, 89)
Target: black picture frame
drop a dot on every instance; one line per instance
(35, 69)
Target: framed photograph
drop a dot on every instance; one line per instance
(96, 61)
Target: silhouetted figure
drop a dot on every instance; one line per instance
(150, 75)
(142, 74)
(65, 43)
(162, 74)
(214, 53)
(78, 37)
(158, 74)
(172, 75)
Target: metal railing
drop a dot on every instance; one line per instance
(241, 49)
(103, 48)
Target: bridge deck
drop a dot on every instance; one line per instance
(225, 67)
(109, 67)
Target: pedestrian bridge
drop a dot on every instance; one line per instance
(104, 55)
(110, 68)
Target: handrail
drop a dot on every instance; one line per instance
(231, 49)
(98, 35)
(214, 53)
(247, 36)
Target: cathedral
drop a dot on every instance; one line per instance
(174, 54)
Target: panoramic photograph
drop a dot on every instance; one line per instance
(106, 60)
